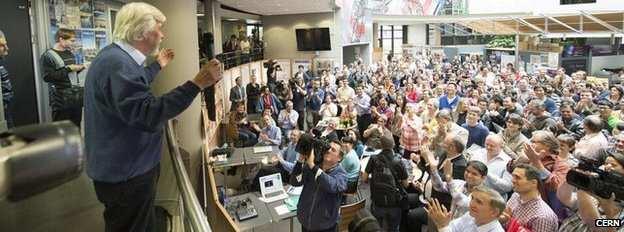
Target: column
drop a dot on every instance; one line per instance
(180, 35)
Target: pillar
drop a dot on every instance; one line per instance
(180, 35)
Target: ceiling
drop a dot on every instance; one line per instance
(280, 7)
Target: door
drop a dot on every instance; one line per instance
(15, 23)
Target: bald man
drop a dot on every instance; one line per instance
(498, 177)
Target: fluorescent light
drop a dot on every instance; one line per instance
(200, 15)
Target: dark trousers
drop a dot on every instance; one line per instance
(331, 229)
(72, 114)
(129, 205)
(247, 137)
(417, 218)
(301, 119)
(363, 121)
(389, 217)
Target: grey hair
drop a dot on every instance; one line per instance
(136, 19)
(496, 200)
(2, 34)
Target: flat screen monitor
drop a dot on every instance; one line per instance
(313, 39)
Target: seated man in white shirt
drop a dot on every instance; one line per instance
(498, 177)
(287, 118)
(486, 205)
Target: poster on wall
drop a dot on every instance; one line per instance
(245, 73)
(406, 7)
(322, 64)
(255, 69)
(286, 73)
(357, 21)
(221, 95)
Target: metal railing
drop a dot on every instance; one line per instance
(192, 212)
(235, 58)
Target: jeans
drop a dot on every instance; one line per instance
(129, 205)
(247, 137)
(389, 218)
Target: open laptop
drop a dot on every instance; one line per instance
(271, 188)
(262, 149)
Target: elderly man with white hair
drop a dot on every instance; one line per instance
(7, 89)
(498, 177)
(124, 121)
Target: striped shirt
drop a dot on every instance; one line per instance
(7, 89)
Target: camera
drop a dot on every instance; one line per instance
(272, 64)
(307, 142)
(589, 177)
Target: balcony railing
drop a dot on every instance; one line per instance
(233, 59)
(192, 215)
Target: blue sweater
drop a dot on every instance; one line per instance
(321, 196)
(123, 120)
(476, 134)
(445, 104)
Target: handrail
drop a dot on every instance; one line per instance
(192, 208)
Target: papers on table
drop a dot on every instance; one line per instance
(294, 190)
(282, 209)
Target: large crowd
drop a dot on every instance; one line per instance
(479, 144)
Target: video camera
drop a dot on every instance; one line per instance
(308, 141)
(37, 158)
(589, 177)
(272, 64)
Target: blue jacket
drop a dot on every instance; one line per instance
(321, 196)
(123, 120)
(445, 104)
(315, 99)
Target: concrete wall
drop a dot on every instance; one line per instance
(281, 42)
(539, 6)
(600, 62)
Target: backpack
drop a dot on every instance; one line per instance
(385, 188)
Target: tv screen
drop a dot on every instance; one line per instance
(313, 39)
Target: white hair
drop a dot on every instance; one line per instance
(1, 34)
(136, 19)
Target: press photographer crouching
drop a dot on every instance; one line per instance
(323, 180)
(599, 194)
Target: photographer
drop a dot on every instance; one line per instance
(323, 182)
(591, 207)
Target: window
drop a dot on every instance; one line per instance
(568, 2)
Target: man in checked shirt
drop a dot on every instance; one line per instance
(526, 206)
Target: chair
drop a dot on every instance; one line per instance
(348, 212)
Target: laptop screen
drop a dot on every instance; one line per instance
(271, 185)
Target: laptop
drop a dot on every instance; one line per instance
(262, 149)
(271, 188)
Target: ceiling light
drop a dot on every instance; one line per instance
(232, 20)
(200, 15)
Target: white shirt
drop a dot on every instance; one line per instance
(329, 110)
(589, 145)
(467, 223)
(288, 120)
(135, 54)
(498, 177)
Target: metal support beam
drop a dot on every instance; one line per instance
(528, 24)
(443, 29)
(563, 24)
(459, 29)
(601, 22)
